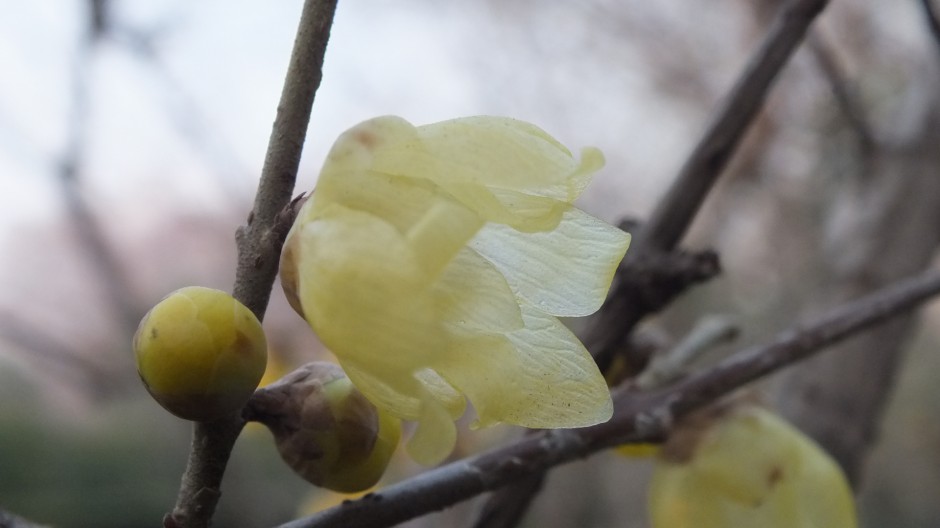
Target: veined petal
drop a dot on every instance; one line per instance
(473, 296)
(537, 376)
(572, 392)
(564, 272)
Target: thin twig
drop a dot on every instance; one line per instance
(933, 20)
(845, 97)
(629, 300)
(672, 364)
(674, 212)
(638, 416)
(506, 507)
(259, 246)
(93, 240)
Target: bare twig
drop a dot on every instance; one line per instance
(259, 246)
(97, 248)
(672, 364)
(845, 97)
(638, 416)
(675, 211)
(506, 507)
(933, 20)
(632, 296)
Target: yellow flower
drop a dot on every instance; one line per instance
(433, 262)
(749, 469)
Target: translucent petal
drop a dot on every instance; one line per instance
(364, 292)
(524, 212)
(443, 231)
(564, 272)
(396, 391)
(490, 151)
(473, 295)
(434, 437)
(537, 376)
(751, 469)
(399, 200)
(428, 400)
(446, 395)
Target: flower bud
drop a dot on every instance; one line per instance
(200, 353)
(746, 467)
(325, 429)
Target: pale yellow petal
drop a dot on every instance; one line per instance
(500, 152)
(402, 392)
(473, 295)
(441, 233)
(428, 400)
(446, 395)
(435, 436)
(564, 272)
(537, 376)
(525, 212)
(364, 292)
(399, 200)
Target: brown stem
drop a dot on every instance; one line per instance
(259, 246)
(674, 212)
(933, 20)
(638, 416)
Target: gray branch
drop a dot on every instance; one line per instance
(259, 247)
(638, 416)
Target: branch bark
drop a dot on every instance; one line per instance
(633, 296)
(638, 416)
(933, 20)
(259, 247)
(674, 212)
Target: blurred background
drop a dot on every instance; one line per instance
(132, 135)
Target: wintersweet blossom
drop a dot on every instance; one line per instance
(434, 261)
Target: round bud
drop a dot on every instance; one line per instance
(325, 429)
(200, 353)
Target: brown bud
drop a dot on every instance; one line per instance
(325, 429)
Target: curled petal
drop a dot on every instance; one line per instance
(433, 260)
(564, 272)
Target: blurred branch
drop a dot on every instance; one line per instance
(104, 260)
(8, 520)
(675, 211)
(638, 416)
(933, 20)
(854, 112)
(634, 295)
(259, 246)
(506, 507)
(671, 364)
(41, 345)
